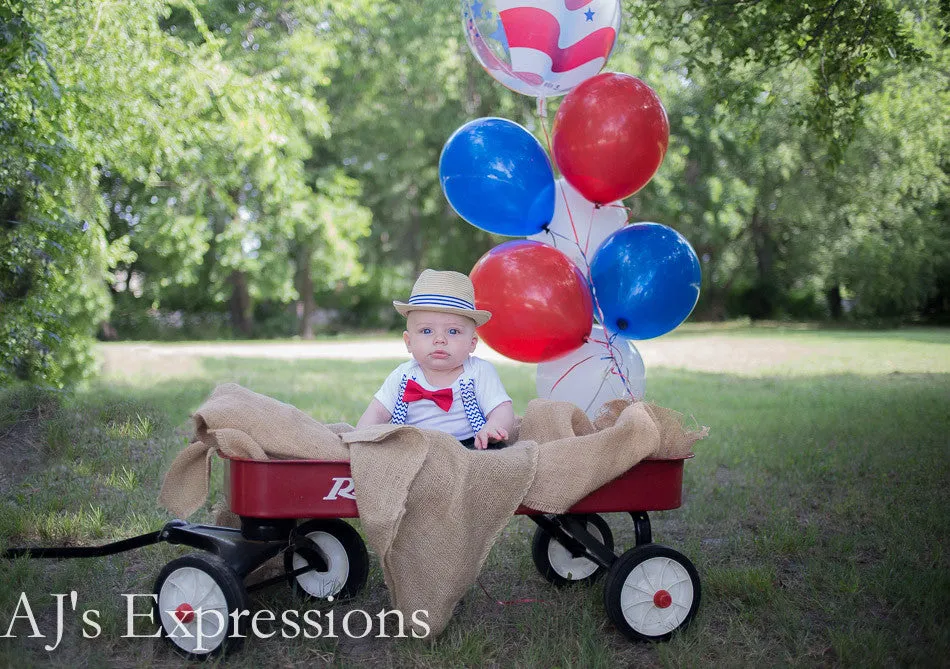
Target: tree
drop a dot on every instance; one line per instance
(60, 119)
(243, 215)
(406, 82)
(227, 155)
(771, 211)
(838, 42)
(889, 197)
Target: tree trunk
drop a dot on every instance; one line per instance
(208, 262)
(833, 297)
(763, 297)
(762, 244)
(240, 303)
(418, 238)
(107, 331)
(304, 283)
(713, 295)
(216, 225)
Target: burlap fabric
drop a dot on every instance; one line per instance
(431, 510)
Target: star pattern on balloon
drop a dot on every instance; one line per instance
(500, 35)
(472, 30)
(589, 14)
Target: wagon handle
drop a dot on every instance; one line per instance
(120, 546)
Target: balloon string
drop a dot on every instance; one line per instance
(571, 369)
(612, 353)
(629, 214)
(583, 252)
(544, 127)
(570, 217)
(590, 225)
(617, 368)
(547, 140)
(625, 208)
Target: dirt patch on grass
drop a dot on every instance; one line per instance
(722, 354)
(715, 353)
(157, 361)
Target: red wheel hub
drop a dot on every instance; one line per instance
(662, 599)
(186, 614)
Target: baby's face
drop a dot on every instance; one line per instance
(439, 341)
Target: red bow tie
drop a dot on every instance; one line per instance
(413, 392)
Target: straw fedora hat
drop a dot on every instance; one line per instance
(448, 292)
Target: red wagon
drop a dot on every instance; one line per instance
(650, 592)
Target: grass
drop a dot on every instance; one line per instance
(816, 514)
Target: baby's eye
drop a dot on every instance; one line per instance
(454, 331)
(426, 330)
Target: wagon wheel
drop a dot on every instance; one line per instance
(557, 565)
(651, 591)
(195, 596)
(345, 555)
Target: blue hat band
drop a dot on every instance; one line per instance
(435, 300)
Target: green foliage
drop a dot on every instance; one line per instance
(838, 42)
(247, 193)
(53, 248)
(785, 228)
(413, 83)
(891, 195)
(179, 160)
(207, 166)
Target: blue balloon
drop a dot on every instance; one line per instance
(496, 176)
(645, 278)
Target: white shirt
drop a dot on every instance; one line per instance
(489, 393)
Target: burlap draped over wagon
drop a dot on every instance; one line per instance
(431, 509)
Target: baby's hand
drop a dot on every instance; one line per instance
(487, 434)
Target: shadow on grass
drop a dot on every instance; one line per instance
(815, 512)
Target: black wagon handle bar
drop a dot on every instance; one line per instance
(86, 551)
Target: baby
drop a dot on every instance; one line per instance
(444, 387)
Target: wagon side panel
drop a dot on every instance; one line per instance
(290, 488)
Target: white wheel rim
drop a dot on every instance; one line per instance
(566, 565)
(194, 588)
(645, 607)
(324, 583)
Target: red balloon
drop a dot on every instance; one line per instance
(610, 135)
(540, 302)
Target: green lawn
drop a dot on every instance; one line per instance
(815, 512)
